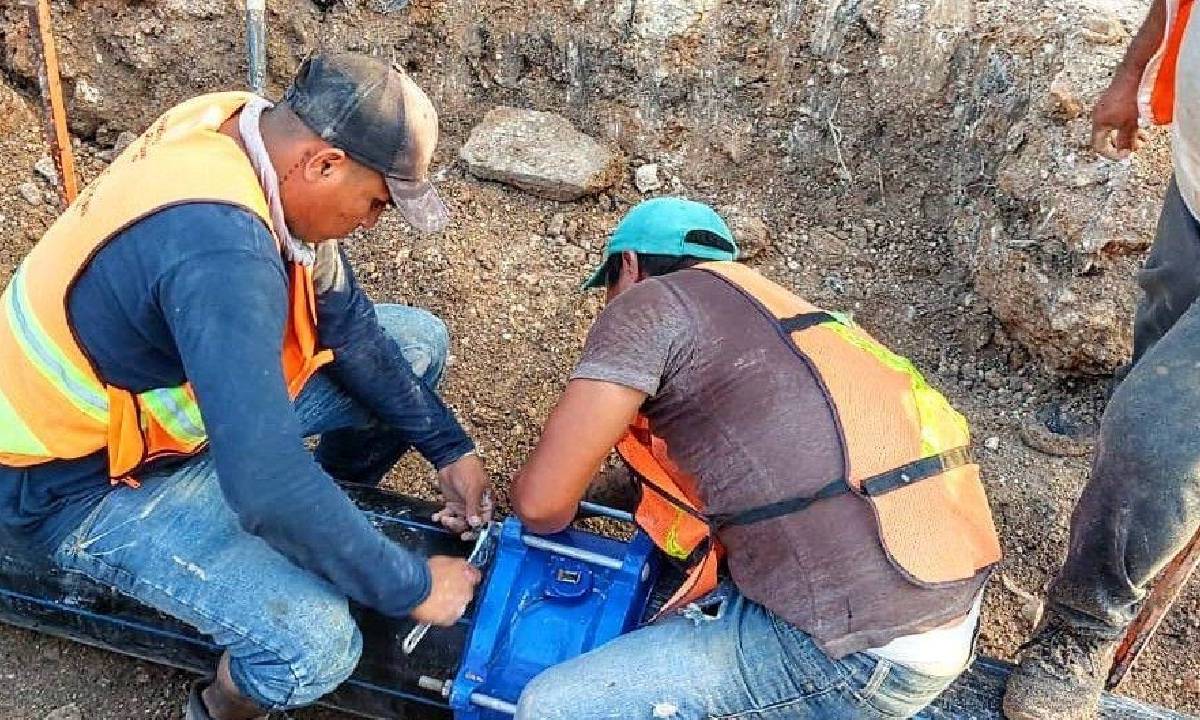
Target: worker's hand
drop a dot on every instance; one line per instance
(1115, 131)
(453, 586)
(466, 493)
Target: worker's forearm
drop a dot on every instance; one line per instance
(1145, 43)
(370, 365)
(588, 420)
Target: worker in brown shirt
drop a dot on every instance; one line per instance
(824, 611)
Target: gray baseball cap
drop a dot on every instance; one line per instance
(375, 113)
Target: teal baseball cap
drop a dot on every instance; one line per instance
(669, 226)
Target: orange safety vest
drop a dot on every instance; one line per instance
(53, 403)
(1156, 94)
(907, 455)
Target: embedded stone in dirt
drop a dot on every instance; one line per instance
(66, 712)
(646, 179)
(45, 168)
(30, 192)
(540, 153)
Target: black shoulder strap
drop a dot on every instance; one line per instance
(803, 321)
(777, 509)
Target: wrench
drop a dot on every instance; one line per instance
(480, 555)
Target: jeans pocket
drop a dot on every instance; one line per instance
(888, 690)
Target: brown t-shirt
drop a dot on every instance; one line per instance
(750, 420)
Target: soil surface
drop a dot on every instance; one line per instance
(509, 293)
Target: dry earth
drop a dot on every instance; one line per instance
(509, 294)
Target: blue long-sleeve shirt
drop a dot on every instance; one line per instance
(199, 292)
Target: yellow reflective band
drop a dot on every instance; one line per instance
(83, 392)
(176, 412)
(671, 544)
(15, 436)
(942, 427)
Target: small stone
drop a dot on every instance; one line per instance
(403, 255)
(87, 92)
(605, 202)
(645, 178)
(835, 284)
(66, 712)
(992, 443)
(557, 224)
(45, 168)
(994, 379)
(1192, 684)
(369, 268)
(30, 192)
(1064, 103)
(1103, 29)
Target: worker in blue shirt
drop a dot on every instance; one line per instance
(165, 350)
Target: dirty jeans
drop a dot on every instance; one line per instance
(1141, 504)
(733, 660)
(175, 545)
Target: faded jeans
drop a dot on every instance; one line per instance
(1142, 502)
(734, 659)
(175, 545)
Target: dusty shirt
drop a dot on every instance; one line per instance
(1185, 135)
(751, 422)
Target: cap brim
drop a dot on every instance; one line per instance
(598, 279)
(419, 203)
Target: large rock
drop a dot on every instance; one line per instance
(1056, 240)
(541, 153)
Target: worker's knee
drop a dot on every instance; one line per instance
(314, 653)
(422, 336)
(550, 696)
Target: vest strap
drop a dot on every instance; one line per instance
(777, 509)
(874, 486)
(804, 321)
(918, 470)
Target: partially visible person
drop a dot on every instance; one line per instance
(1142, 502)
(818, 493)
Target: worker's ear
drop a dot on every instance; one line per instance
(326, 164)
(630, 268)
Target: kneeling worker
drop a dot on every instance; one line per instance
(780, 442)
(178, 332)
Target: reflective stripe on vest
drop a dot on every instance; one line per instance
(1156, 93)
(53, 404)
(901, 436)
(77, 385)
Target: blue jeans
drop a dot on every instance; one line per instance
(736, 660)
(175, 545)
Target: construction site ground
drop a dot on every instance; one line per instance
(508, 289)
